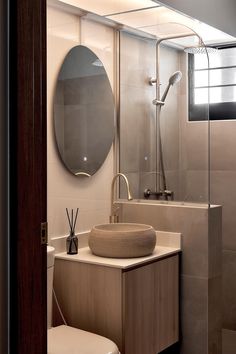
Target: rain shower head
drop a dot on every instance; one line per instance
(200, 50)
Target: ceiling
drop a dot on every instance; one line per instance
(153, 19)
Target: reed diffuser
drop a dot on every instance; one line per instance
(72, 239)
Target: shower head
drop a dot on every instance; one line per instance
(200, 50)
(176, 77)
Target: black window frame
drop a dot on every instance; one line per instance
(217, 111)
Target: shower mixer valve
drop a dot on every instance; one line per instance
(165, 194)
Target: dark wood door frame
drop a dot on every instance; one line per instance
(27, 175)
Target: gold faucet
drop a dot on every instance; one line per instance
(114, 217)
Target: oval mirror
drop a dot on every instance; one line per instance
(83, 112)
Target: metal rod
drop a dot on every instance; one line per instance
(116, 144)
(226, 85)
(158, 108)
(161, 182)
(217, 68)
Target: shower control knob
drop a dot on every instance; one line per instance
(147, 193)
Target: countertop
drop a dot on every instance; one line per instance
(85, 256)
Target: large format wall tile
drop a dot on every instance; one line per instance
(223, 145)
(200, 228)
(223, 192)
(195, 186)
(194, 321)
(194, 145)
(137, 130)
(215, 242)
(136, 68)
(228, 341)
(215, 315)
(229, 290)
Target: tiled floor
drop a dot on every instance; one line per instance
(228, 342)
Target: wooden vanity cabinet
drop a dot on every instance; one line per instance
(137, 308)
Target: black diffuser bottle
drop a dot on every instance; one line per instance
(72, 239)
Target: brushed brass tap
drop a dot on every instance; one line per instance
(114, 217)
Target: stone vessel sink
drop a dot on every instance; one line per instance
(122, 240)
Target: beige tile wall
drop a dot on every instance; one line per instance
(185, 144)
(229, 341)
(137, 114)
(194, 154)
(194, 147)
(92, 196)
(223, 191)
(201, 268)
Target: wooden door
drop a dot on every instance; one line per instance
(27, 176)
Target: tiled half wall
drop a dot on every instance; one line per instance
(200, 278)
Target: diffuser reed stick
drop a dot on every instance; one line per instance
(69, 220)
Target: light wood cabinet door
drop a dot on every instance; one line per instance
(91, 297)
(167, 308)
(139, 302)
(150, 307)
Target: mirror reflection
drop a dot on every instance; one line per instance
(83, 112)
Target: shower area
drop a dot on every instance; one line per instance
(177, 134)
(165, 156)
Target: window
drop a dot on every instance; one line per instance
(218, 80)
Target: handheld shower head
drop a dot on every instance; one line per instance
(176, 77)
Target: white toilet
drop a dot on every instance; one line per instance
(64, 339)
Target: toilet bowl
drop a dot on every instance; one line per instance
(65, 339)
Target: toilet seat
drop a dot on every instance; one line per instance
(64, 339)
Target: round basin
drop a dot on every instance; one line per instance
(122, 240)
